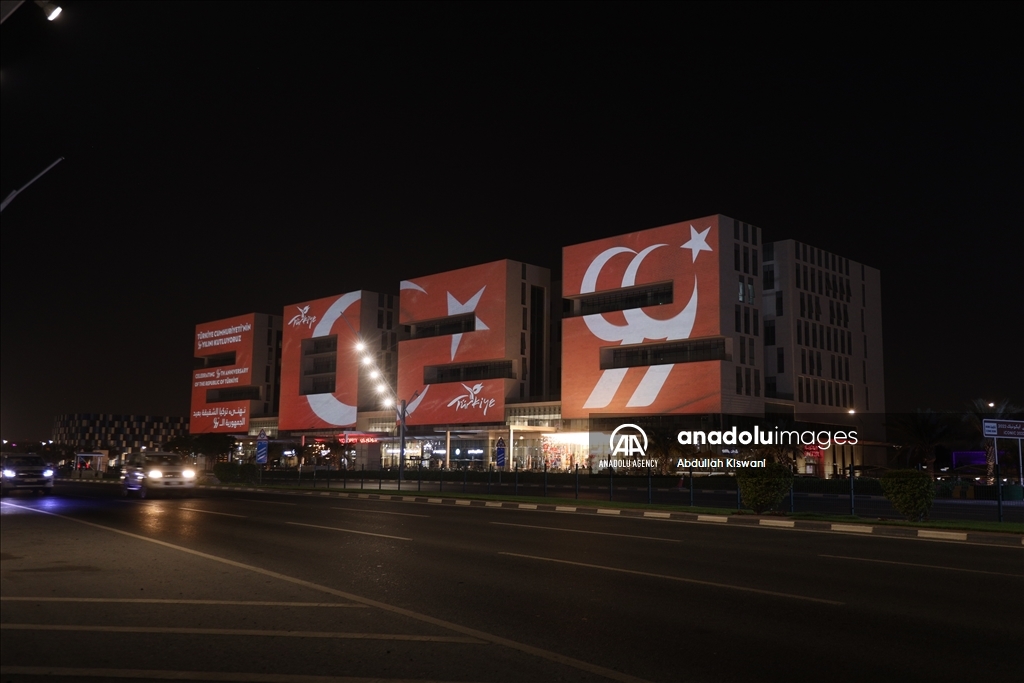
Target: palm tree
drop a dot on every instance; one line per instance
(919, 433)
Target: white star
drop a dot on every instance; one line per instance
(697, 242)
(455, 308)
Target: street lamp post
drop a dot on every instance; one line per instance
(401, 438)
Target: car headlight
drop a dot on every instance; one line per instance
(8, 473)
(47, 473)
(188, 474)
(155, 474)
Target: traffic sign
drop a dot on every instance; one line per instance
(499, 452)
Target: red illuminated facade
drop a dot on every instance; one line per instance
(323, 382)
(236, 378)
(643, 329)
(477, 339)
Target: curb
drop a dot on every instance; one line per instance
(985, 537)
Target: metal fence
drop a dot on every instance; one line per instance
(862, 497)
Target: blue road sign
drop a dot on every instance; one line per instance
(262, 448)
(499, 453)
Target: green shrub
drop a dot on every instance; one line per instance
(910, 491)
(248, 472)
(762, 488)
(226, 471)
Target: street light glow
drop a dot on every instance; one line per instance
(360, 346)
(367, 360)
(375, 374)
(51, 10)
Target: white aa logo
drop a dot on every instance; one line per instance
(628, 445)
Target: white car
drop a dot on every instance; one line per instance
(26, 472)
(148, 474)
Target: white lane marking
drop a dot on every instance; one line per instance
(348, 531)
(926, 566)
(944, 535)
(268, 502)
(853, 528)
(607, 511)
(492, 504)
(658, 515)
(712, 518)
(381, 512)
(527, 506)
(677, 578)
(162, 601)
(596, 533)
(426, 618)
(172, 630)
(225, 514)
(564, 508)
(169, 675)
(462, 501)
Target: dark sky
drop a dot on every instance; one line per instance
(223, 158)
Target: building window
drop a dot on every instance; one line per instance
(746, 260)
(468, 372)
(736, 256)
(750, 291)
(750, 345)
(738, 314)
(742, 289)
(755, 322)
(803, 361)
(846, 367)
(743, 350)
(799, 335)
(803, 308)
(757, 383)
(746, 381)
(833, 367)
(769, 333)
(619, 300)
(768, 279)
(753, 260)
(780, 360)
(817, 363)
(796, 267)
(522, 293)
(746, 320)
(800, 389)
(746, 232)
(739, 380)
(778, 303)
(666, 353)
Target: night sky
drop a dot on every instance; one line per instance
(224, 158)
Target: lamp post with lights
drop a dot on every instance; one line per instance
(400, 406)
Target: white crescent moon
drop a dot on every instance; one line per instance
(326, 406)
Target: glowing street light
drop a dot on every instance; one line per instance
(51, 10)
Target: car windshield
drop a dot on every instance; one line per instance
(24, 460)
(163, 459)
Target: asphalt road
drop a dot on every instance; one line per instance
(241, 586)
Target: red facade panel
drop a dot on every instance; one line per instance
(479, 291)
(222, 337)
(685, 255)
(302, 405)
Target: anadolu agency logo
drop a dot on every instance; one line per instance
(628, 444)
